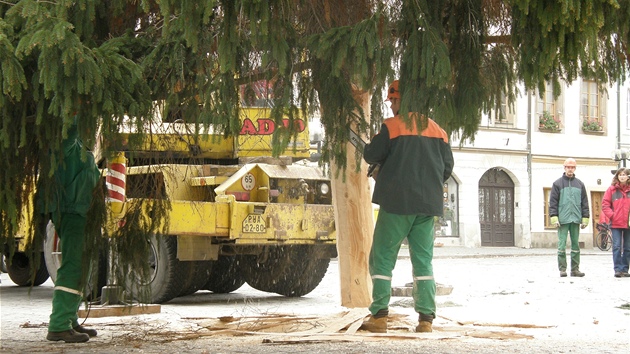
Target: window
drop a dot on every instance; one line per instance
(592, 109)
(550, 105)
(257, 94)
(502, 115)
(546, 194)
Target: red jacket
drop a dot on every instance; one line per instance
(616, 205)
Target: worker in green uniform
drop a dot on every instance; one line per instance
(75, 180)
(414, 164)
(569, 211)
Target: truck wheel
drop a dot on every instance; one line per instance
(52, 256)
(20, 270)
(3, 264)
(225, 276)
(52, 252)
(165, 274)
(287, 270)
(196, 277)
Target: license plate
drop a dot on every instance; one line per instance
(254, 224)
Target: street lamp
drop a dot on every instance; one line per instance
(621, 155)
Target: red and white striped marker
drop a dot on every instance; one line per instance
(116, 179)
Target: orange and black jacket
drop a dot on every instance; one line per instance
(414, 167)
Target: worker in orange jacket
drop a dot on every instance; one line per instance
(414, 163)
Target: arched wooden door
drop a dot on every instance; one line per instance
(496, 209)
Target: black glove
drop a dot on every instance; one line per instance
(373, 170)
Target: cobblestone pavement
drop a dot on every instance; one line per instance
(503, 300)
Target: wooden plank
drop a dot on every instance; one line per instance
(94, 311)
(318, 339)
(336, 324)
(330, 329)
(354, 219)
(353, 328)
(498, 335)
(337, 337)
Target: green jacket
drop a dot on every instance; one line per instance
(414, 167)
(568, 200)
(75, 177)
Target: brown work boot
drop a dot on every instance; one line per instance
(424, 327)
(69, 336)
(375, 325)
(576, 273)
(89, 331)
(563, 274)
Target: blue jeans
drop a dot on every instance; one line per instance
(621, 257)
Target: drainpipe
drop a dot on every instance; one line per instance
(619, 119)
(529, 161)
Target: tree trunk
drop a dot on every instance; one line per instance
(354, 218)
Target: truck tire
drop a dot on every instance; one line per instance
(52, 253)
(52, 256)
(196, 277)
(226, 276)
(3, 264)
(165, 280)
(287, 270)
(20, 269)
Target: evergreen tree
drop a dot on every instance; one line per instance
(109, 62)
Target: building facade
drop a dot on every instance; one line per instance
(499, 192)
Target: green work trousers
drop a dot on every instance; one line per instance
(389, 233)
(67, 294)
(574, 230)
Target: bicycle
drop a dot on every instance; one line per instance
(604, 237)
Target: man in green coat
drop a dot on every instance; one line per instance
(569, 210)
(75, 180)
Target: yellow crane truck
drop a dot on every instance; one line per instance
(239, 216)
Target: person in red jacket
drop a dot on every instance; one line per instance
(616, 207)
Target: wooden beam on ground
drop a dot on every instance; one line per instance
(342, 327)
(353, 328)
(94, 311)
(334, 324)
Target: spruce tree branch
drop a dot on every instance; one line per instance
(261, 75)
(7, 3)
(315, 15)
(498, 39)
